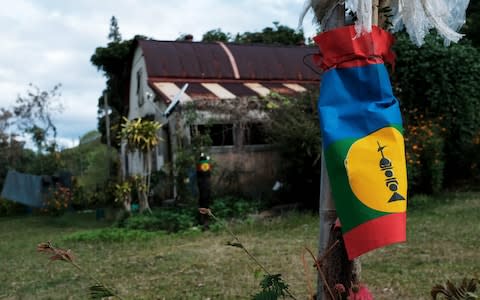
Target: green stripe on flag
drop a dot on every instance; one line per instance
(350, 209)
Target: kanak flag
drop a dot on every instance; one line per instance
(362, 138)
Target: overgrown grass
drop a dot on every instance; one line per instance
(443, 243)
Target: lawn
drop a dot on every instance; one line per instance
(443, 243)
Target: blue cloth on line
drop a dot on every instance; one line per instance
(23, 188)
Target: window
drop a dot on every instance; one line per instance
(139, 88)
(139, 78)
(254, 134)
(220, 134)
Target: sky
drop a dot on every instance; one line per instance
(47, 42)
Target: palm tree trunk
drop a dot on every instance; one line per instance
(147, 163)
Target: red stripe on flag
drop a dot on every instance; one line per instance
(342, 48)
(376, 233)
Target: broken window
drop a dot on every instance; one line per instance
(254, 134)
(139, 88)
(220, 134)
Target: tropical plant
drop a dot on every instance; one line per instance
(123, 194)
(141, 137)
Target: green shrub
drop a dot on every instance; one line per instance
(110, 235)
(424, 145)
(179, 219)
(57, 201)
(9, 208)
(293, 127)
(170, 220)
(233, 207)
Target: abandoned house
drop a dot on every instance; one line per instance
(218, 75)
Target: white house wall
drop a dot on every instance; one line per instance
(136, 109)
(135, 163)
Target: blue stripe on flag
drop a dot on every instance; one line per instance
(355, 102)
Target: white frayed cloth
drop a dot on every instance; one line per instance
(418, 17)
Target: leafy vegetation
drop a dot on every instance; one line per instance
(273, 287)
(58, 200)
(294, 129)
(34, 115)
(179, 218)
(169, 220)
(278, 34)
(438, 90)
(230, 207)
(113, 60)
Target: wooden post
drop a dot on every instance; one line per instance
(375, 5)
(107, 128)
(327, 210)
(336, 267)
(382, 16)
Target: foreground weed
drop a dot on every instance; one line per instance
(97, 291)
(466, 291)
(273, 286)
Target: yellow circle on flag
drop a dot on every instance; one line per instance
(377, 172)
(205, 167)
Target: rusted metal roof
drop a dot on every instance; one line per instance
(196, 60)
(221, 71)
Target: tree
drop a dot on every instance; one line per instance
(216, 35)
(141, 137)
(10, 148)
(114, 34)
(186, 37)
(91, 164)
(279, 34)
(35, 112)
(11, 156)
(113, 61)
